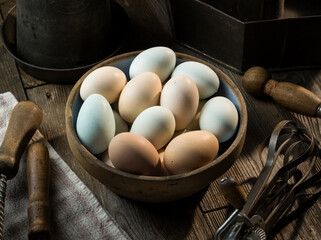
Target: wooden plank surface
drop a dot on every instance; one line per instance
(196, 217)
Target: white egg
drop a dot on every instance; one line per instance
(160, 60)
(220, 117)
(156, 124)
(206, 79)
(95, 124)
(107, 81)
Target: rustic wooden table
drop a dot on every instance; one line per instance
(196, 217)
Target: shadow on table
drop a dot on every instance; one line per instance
(180, 219)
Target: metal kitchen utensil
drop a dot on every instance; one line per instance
(273, 194)
(63, 34)
(66, 75)
(258, 81)
(26, 117)
(38, 190)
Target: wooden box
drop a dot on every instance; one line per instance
(240, 37)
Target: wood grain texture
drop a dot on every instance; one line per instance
(199, 216)
(24, 121)
(38, 167)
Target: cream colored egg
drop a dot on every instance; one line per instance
(160, 60)
(156, 124)
(190, 151)
(133, 153)
(180, 95)
(107, 81)
(141, 92)
(220, 117)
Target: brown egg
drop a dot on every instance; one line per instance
(190, 151)
(133, 153)
(180, 95)
(163, 170)
(105, 158)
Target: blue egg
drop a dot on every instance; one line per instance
(95, 124)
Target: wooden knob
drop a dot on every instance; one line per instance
(257, 81)
(26, 117)
(233, 192)
(38, 190)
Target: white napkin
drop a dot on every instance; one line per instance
(75, 212)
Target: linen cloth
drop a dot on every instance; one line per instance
(75, 212)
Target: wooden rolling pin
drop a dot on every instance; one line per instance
(257, 81)
(233, 192)
(38, 189)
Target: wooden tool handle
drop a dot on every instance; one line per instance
(26, 117)
(38, 189)
(293, 97)
(233, 192)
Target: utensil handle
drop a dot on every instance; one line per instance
(38, 188)
(233, 192)
(24, 121)
(293, 97)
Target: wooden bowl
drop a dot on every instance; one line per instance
(157, 188)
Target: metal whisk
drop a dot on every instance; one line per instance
(25, 119)
(273, 194)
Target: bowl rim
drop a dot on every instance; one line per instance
(98, 163)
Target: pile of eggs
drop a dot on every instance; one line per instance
(165, 120)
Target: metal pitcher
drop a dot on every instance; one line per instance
(63, 33)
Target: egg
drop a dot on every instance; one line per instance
(105, 158)
(220, 117)
(95, 125)
(156, 124)
(160, 60)
(206, 79)
(194, 124)
(107, 81)
(180, 95)
(163, 170)
(141, 92)
(121, 125)
(133, 153)
(190, 151)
